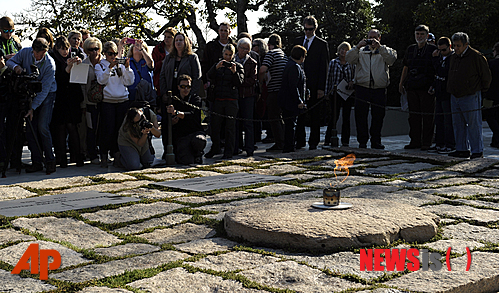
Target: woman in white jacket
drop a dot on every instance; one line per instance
(116, 76)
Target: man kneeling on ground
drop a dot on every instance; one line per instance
(189, 139)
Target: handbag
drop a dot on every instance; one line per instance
(95, 93)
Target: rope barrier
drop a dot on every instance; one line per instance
(319, 102)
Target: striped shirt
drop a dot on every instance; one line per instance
(338, 72)
(275, 60)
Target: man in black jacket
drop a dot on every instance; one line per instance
(315, 67)
(189, 139)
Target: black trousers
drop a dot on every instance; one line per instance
(378, 99)
(315, 123)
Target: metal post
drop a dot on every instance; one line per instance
(169, 156)
(334, 132)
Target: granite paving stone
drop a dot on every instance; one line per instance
(472, 166)
(367, 190)
(425, 157)
(493, 173)
(206, 246)
(398, 168)
(465, 231)
(180, 233)
(157, 170)
(302, 176)
(15, 192)
(165, 221)
(382, 290)
(411, 197)
(178, 279)
(403, 183)
(228, 195)
(67, 229)
(462, 191)
(103, 290)
(341, 262)
(386, 163)
(14, 283)
(452, 181)
(457, 245)
(143, 192)
(294, 276)
(277, 169)
(306, 154)
(127, 249)
(106, 187)
(203, 173)
(316, 173)
(11, 235)
(227, 206)
(478, 203)
(133, 212)
(490, 183)
(117, 267)
(232, 168)
(464, 212)
(12, 254)
(352, 180)
(115, 176)
(57, 183)
(425, 176)
(277, 188)
(166, 175)
(237, 260)
(483, 276)
(364, 160)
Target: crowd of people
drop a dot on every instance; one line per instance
(127, 96)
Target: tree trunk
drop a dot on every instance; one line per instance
(242, 25)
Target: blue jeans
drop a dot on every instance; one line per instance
(131, 159)
(41, 128)
(444, 135)
(468, 125)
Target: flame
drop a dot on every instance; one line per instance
(342, 166)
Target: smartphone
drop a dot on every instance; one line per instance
(130, 41)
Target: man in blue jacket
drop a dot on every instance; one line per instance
(40, 112)
(292, 95)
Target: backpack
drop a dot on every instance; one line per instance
(144, 90)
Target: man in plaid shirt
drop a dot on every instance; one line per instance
(371, 79)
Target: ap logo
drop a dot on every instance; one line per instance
(39, 261)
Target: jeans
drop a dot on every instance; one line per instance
(131, 159)
(468, 125)
(421, 125)
(378, 99)
(227, 108)
(92, 132)
(112, 116)
(41, 128)
(444, 136)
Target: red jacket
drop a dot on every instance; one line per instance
(158, 55)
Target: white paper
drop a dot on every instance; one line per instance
(343, 90)
(88, 116)
(79, 73)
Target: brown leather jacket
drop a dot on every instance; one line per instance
(468, 73)
(247, 88)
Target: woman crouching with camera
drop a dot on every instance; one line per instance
(132, 139)
(116, 75)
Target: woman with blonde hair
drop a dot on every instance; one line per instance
(142, 65)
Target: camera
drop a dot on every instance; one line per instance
(73, 54)
(130, 41)
(227, 64)
(144, 123)
(369, 42)
(23, 86)
(121, 60)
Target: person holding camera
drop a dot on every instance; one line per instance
(40, 112)
(132, 139)
(67, 112)
(371, 60)
(116, 75)
(142, 66)
(227, 76)
(189, 138)
(417, 77)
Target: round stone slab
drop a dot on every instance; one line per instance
(341, 206)
(295, 224)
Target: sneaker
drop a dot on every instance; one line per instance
(476, 155)
(435, 149)
(274, 148)
(446, 150)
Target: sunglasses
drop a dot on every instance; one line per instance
(184, 86)
(93, 49)
(308, 28)
(8, 31)
(112, 53)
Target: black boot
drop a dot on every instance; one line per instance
(50, 167)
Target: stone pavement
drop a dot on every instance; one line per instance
(173, 240)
